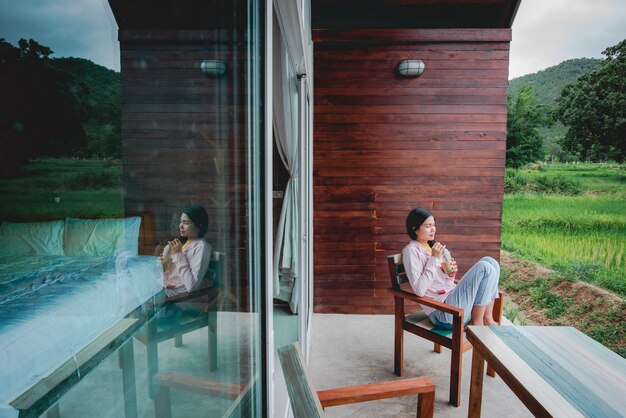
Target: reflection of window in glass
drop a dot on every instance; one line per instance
(94, 183)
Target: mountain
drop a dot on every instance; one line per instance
(97, 91)
(97, 87)
(547, 85)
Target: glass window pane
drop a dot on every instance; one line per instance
(130, 243)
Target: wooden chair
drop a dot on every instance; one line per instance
(307, 403)
(202, 313)
(419, 324)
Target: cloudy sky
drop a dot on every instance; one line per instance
(548, 32)
(71, 28)
(545, 32)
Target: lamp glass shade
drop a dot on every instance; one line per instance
(411, 68)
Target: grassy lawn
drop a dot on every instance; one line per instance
(81, 187)
(582, 235)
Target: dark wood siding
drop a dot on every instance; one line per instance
(384, 145)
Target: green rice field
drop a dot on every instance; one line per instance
(580, 231)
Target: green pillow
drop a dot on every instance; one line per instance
(101, 237)
(32, 238)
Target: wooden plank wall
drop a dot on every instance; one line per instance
(184, 135)
(384, 145)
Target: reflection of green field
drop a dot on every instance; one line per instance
(583, 236)
(84, 187)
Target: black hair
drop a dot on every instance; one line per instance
(199, 217)
(414, 220)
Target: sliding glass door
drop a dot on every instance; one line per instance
(291, 182)
(132, 279)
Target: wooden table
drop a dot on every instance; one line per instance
(554, 371)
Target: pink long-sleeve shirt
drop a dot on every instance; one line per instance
(425, 274)
(188, 267)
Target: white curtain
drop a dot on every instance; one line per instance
(285, 123)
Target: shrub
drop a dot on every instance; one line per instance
(557, 184)
(516, 181)
(535, 166)
(513, 181)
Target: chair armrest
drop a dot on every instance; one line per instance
(181, 297)
(371, 392)
(440, 306)
(184, 296)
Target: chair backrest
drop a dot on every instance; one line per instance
(396, 270)
(214, 272)
(303, 397)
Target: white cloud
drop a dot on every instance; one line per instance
(546, 33)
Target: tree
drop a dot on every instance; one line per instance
(524, 144)
(97, 91)
(594, 109)
(39, 115)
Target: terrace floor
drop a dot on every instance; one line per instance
(358, 349)
(345, 350)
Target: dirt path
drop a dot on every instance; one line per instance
(543, 299)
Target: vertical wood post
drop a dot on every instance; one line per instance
(476, 385)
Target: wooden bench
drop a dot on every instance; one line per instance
(307, 403)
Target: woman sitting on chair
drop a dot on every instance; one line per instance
(422, 257)
(186, 259)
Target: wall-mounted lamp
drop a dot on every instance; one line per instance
(411, 68)
(213, 68)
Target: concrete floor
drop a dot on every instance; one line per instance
(358, 349)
